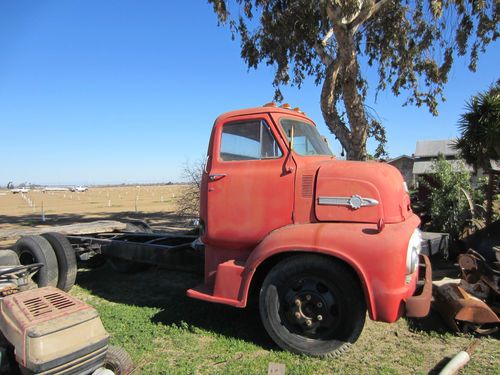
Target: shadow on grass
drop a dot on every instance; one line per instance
(431, 324)
(158, 288)
(434, 325)
(439, 366)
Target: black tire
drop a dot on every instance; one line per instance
(36, 249)
(312, 305)
(118, 361)
(66, 259)
(126, 266)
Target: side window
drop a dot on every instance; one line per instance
(248, 140)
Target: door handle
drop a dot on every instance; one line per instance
(216, 176)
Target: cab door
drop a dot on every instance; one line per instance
(248, 192)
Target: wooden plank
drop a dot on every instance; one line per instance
(100, 226)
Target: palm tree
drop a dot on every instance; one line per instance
(479, 141)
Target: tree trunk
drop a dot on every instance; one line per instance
(353, 100)
(489, 197)
(345, 69)
(329, 106)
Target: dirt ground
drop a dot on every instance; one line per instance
(156, 204)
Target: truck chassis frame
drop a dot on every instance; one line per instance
(179, 252)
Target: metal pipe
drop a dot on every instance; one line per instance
(456, 363)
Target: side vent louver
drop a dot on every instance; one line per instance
(307, 186)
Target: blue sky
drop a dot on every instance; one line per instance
(96, 92)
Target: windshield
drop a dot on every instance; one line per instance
(306, 139)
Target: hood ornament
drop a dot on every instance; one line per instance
(354, 201)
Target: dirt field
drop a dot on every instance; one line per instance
(156, 204)
(168, 333)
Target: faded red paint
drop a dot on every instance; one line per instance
(255, 209)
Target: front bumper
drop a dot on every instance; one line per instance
(418, 306)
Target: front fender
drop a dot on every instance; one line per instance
(378, 258)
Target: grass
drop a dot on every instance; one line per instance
(168, 333)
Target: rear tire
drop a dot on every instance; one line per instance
(312, 305)
(118, 361)
(66, 259)
(36, 249)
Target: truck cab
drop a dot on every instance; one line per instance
(320, 240)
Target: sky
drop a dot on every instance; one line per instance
(126, 91)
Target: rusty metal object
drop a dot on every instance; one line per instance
(419, 305)
(474, 303)
(475, 269)
(479, 290)
(462, 311)
(8, 290)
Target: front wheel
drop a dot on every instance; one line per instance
(118, 361)
(312, 305)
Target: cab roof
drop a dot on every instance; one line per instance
(267, 108)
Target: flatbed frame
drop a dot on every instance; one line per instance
(182, 252)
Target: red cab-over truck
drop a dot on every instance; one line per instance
(317, 240)
(322, 240)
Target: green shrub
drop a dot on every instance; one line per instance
(447, 201)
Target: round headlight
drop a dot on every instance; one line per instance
(414, 246)
(414, 260)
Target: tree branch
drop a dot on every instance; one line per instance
(328, 105)
(370, 8)
(327, 37)
(320, 48)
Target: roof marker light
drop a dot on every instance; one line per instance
(270, 104)
(286, 106)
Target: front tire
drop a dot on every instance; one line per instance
(312, 305)
(118, 361)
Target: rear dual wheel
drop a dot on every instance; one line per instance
(66, 259)
(312, 305)
(56, 254)
(36, 249)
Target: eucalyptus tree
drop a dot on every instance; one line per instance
(410, 44)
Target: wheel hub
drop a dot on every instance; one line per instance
(308, 309)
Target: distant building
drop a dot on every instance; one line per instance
(421, 162)
(428, 151)
(405, 165)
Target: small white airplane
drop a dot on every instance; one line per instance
(79, 189)
(19, 190)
